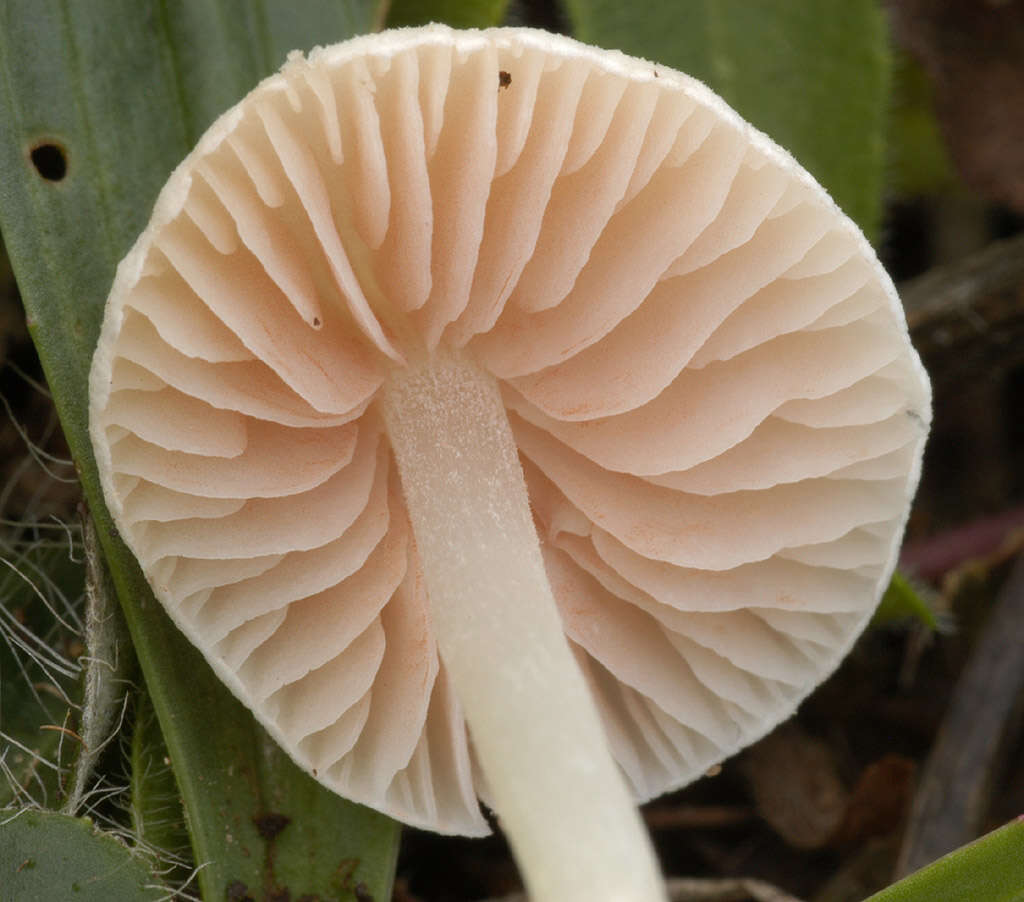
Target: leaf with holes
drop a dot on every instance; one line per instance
(94, 119)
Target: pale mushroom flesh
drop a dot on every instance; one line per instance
(704, 370)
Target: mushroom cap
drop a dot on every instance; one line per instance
(718, 410)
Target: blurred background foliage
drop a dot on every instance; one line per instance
(909, 112)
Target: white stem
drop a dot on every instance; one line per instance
(562, 801)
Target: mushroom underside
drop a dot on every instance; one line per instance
(698, 367)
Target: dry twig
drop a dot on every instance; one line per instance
(980, 722)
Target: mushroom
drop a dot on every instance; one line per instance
(490, 380)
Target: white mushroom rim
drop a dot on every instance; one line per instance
(535, 354)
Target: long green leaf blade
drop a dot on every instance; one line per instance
(98, 102)
(990, 869)
(813, 76)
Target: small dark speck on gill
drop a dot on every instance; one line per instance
(504, 79)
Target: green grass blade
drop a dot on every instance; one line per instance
(814, 76)
(121, 89)
(990, 869)
(904, 601)
(157, 816)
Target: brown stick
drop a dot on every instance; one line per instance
(934, 557)
(696, 817)
(980, 723)
(967, 318)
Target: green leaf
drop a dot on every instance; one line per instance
(990, 869)
(457, 13)
(813, 76)
(919, 162)
(98, 102)
(157, 816)
(46, 856)
(902, 601)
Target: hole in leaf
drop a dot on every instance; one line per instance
(50, 160)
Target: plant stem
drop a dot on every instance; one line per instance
(561, 799)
